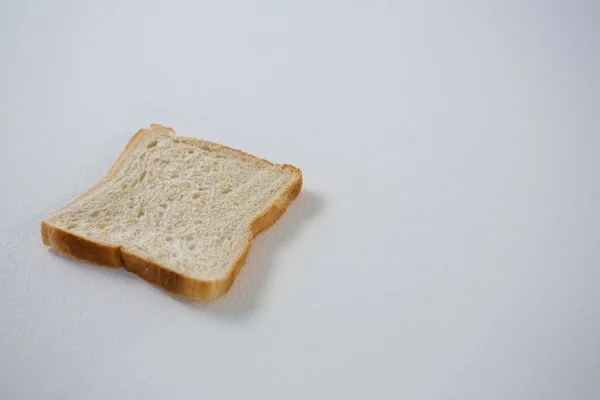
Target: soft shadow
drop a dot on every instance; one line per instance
(244, 296)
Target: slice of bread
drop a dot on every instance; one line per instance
(179, 212)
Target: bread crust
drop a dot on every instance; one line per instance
(172, 281)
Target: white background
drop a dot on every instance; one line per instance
(446, 244)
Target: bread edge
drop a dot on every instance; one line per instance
(172, 281)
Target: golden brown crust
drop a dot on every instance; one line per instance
(80, 247)
(157, 274)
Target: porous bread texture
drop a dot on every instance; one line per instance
(180, 212)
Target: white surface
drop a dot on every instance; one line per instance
(446, 243)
